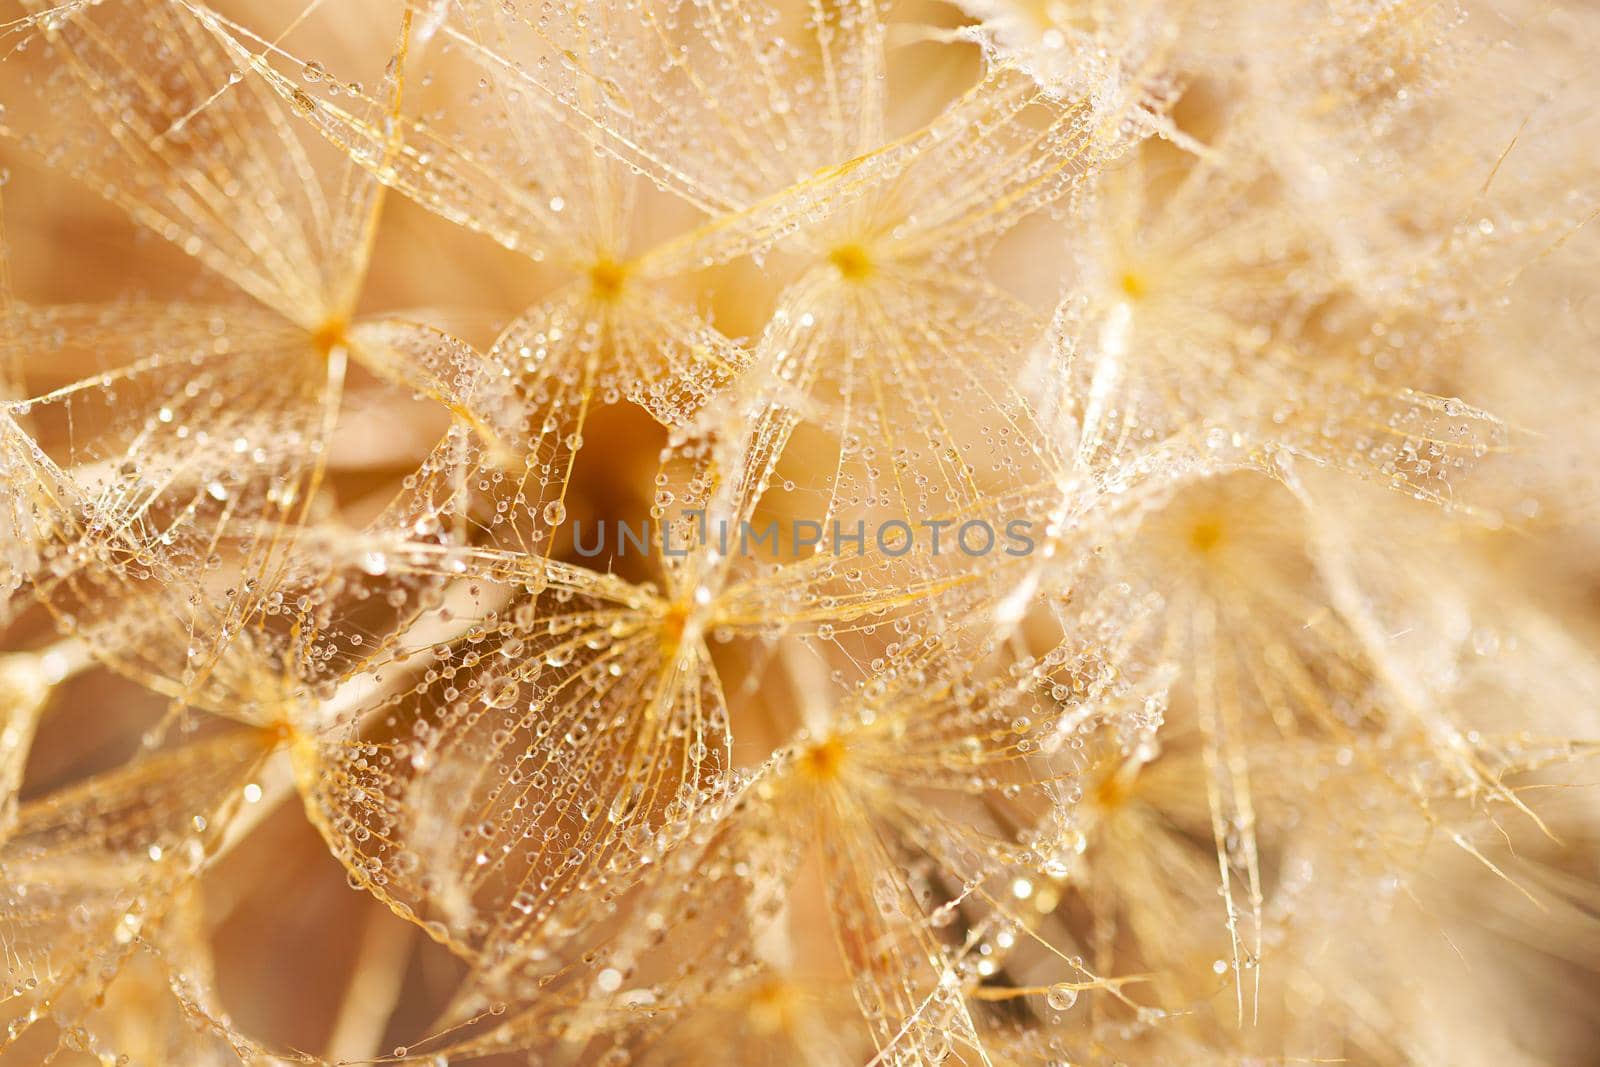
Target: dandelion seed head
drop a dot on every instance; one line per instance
(1267, 659)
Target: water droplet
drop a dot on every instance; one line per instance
(501, 692)
(1061, 996)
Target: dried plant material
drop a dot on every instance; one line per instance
(1187, 321)
(200, 443)
(991, 533)
(89, 868)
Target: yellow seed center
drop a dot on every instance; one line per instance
(606, 279)
(1112, 792)
(771, 1008)
(852, 262)
(823, 762)
(673, 624)
(276, 734)
(1206, 535)
(330, 335)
